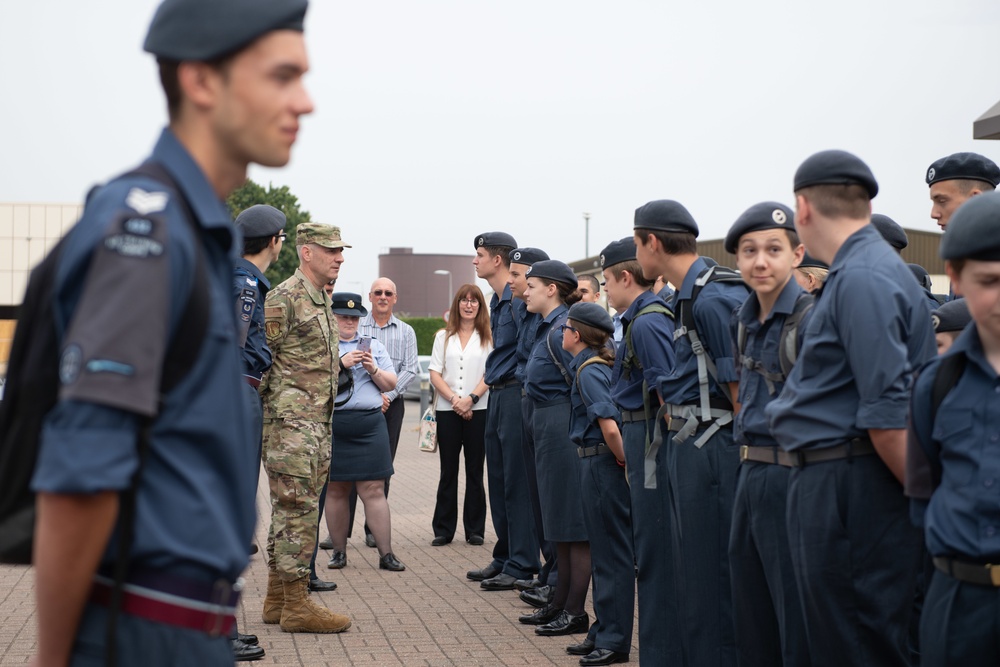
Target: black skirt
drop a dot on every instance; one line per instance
(360, 446)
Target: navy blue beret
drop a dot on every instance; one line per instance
(974, 230)
(757, 218)
(810, 262)
(665, 215)
(348, 303)
(951, 316)
(209, 29)
(592, 315)
(920, 273)
(972, 166)
(495, 240)
(527, 255)
(552, 269)
(260, 221)
(890, 231)
(617, 252)
(835, 168)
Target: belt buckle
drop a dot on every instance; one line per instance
(744, 452)
(994, 571)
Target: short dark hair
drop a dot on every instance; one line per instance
(170, 81)
(838, 200)
(501, 250)
(255, 245)
(967, 185)
(595, 284)
(634, 269)
(674, 243)
(956, 264)
(793, 238)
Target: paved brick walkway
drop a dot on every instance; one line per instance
(428, 615)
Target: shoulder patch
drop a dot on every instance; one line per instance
(146, 202)
(272, 328)
(271, 312)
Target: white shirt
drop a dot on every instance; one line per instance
(461, 369)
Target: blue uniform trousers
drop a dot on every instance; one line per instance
(960, 624)
(767, 611)
(659, 625)
(606, 513)
(856, 558)
(547, 574)
(702, 487)
(516, 551)
(146, 643)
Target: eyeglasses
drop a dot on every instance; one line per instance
(281, 237)
(564, 327)
(388, 292)
(470, 301)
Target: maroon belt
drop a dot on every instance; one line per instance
(252, 381)
(213, 619)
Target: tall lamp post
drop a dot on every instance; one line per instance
(445, 272)
(586, 235)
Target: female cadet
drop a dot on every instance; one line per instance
(594, 429)
(551, 286)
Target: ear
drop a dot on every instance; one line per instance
(800, 252)
(199, 83)
(803, 211)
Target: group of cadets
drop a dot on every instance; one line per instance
(737, 450)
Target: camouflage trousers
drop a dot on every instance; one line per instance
(296, 457)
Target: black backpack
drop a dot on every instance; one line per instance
(32, 389)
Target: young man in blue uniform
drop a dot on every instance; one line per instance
(645, 356)
(842, 417)
(953, 460)
(515, 555)
(956, 178)
(122, 286)
(767, 613)
(699, 397)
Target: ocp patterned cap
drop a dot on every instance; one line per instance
(527, 255)
(665, 215)
(592, 315)
(260, 221)
(835, 168)
(890, 231)
(209, 29)
(972, 166)
(617, 252)
(757, 218)
(951, 316)
(327, 236)
(495, 239)
(552, 269)
(974, 230)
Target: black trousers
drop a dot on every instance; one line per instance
(394, 422)
(455, 434)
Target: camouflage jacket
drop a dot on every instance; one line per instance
(302, 334)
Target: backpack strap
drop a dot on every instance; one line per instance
(630, 360)
(589, 362)
(948, 374)
(788, 345)
(555, 359)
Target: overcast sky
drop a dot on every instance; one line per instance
(437, 120)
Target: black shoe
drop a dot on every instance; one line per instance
(338, 560)
(564, 624)
(603, 656)
(475, 540)
(390, 562)
(244, 652)
(250, 640)
(320, 586)
(326, 544)
(527, 584)
(487, 572)
(370, 540)
(501, 582)
(253, 549)
(538, 597)
(586, 647)
(440, 541)
(540, 616)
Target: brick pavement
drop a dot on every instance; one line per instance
(428, 615)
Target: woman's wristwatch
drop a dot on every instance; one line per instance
(475, 398)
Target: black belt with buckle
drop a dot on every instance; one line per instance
(972, 573)
(252, 381)
(586, 452)
(503, 384)
(772, 455)
(800, 458)
(631, 416)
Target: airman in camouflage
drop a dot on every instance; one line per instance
(298, 394)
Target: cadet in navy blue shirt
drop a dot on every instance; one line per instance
(594, 428)
(515, 555)
(767, 613)
(635, 389)
(122, 289)
(953, 463)
(843, 415)
(699, 396)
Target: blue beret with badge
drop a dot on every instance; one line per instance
(890, 231)
(260, 221)
(835, 167)
(757, 218)
(974, 230)
(951, 316)
(920, 273)
(552, 269)
(527, 256)
(970, 166)
(210, 29)
(495, 240)
(665, 215)
(348, 303)
(592, 315)
(617, 252)
(810, 262)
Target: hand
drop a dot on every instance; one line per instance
(463, 405)
(352, 358)
(368, 362)
(385, 403)
(467, 416)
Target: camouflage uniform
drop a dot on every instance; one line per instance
(298, 394)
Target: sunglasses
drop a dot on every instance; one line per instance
(564, 327)
(388, 292)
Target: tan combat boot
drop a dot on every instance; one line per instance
(275, 598)
(300, 614)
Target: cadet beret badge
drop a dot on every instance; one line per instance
(350, 303)
(779, 216)
(517, 255)
(480, 241)
(602, 260)
(936, 319)
(528, 272)
(930, 174)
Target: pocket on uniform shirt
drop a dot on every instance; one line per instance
(953, 432)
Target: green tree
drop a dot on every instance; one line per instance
(251, 193)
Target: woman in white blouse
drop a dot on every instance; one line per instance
(458, 363)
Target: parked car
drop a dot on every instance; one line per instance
(413, 391)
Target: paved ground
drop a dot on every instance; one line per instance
(428, 615)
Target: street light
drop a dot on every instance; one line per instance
(586, 235)
(445, 272)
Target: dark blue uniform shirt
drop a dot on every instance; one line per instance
(543, 381)
(504, 318)
(962, 519)
(250, 289)
(195, 502)
(870, 330)
(652, 340)
(713, 310)
(525, 339)
(590, 400)
(762, 344)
